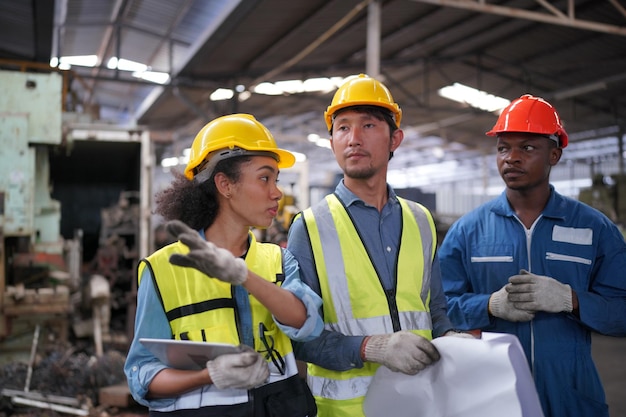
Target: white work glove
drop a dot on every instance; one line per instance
(500, 306)
(461, 334)
(206, 257)
(532, 292)
(244, 370)
(402, 351)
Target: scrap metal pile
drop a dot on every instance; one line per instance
(62, 379)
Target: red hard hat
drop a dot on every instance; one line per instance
(530, 114)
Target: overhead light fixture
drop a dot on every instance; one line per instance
(300, 157)
(221, 94)
(152, 76)
(170, 162)
(319, 141)
(126, 65)
(268, 89)
(475, 98)
(286, 87)
(66, 62)
(138, 69)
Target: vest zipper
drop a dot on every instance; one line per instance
(393, 309)
(236, 314)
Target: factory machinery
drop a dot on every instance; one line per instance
(74, 218)
(607, 193)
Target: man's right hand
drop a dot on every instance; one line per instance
(500, 306)
(244, 370)
(402, 351)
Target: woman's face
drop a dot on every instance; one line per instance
(254, 198)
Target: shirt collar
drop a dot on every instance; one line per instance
(349, 198)
(554, 208)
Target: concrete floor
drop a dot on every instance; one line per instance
(609, 354)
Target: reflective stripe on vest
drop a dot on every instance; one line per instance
(355, 306)
(202, 308)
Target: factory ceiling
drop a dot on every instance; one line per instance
(572, 53)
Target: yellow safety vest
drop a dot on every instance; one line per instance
(200, 308)
(355, 302)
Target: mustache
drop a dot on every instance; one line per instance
(355, 152)
(513, 170)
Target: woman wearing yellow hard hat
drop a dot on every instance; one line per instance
(217, 284)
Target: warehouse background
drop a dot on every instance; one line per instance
(93, 140)
(571, 53)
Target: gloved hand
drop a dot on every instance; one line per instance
(500, 306)
(402, 351)
(532, 292)
(461, 334)
(244, 370)
(206, 257)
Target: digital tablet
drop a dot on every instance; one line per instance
(185, 354)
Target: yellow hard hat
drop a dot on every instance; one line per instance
(229, 136)
(362, 91)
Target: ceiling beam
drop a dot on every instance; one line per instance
(556, 17)
(279, 69)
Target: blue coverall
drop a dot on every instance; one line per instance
(570, 242)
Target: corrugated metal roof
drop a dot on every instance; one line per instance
(207, 44)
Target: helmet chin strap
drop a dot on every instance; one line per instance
(205, 172)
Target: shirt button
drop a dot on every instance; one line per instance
(388, 249)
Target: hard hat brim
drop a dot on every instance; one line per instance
(284, 159)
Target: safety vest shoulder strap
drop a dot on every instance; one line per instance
(424, 220)
(363, 306)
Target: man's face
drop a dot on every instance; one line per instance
(362, 143)
(524, 160)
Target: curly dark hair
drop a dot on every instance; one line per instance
(196, 203)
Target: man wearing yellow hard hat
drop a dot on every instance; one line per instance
(371, 256)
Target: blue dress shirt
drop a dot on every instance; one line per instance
(380, 232)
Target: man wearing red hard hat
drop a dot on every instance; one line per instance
(539, 265)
